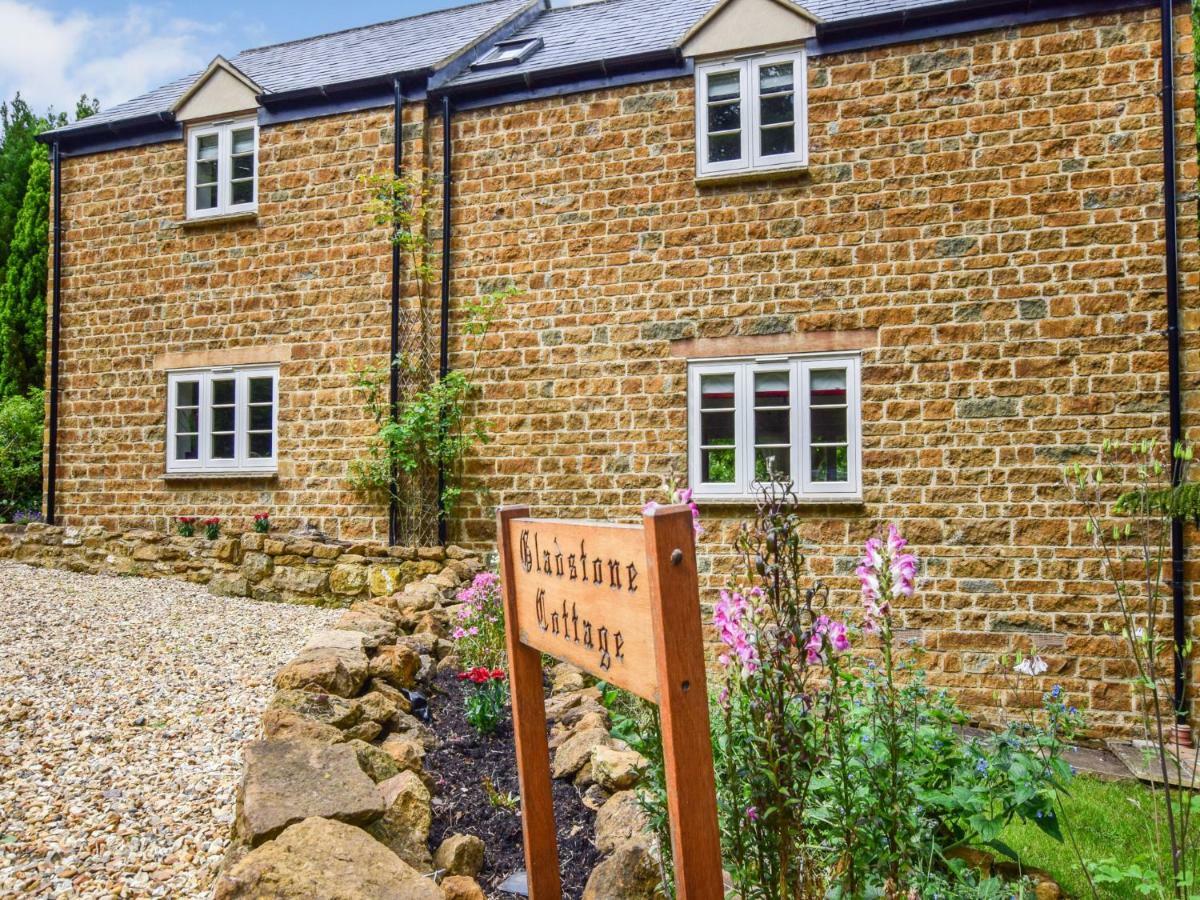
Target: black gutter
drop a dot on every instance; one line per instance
(444, 361)
(394, 345)
(55, 338)
(1175, 402)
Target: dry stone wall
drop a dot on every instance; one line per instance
(271, 567)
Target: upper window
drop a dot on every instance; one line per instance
(222, 420)
(222, 168)
(792, 417)
(751, 114)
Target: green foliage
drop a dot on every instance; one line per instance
(20, 453)
(430, 429)
(487, 701)
(24, 241)
(23, 287)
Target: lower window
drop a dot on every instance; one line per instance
(795, 418)
(222, 420)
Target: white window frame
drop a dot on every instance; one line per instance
(752, 158)
(224, 132)
(242, 461)
(799, 369)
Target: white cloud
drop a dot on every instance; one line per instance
(53, 58)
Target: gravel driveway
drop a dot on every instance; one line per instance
(123, 704)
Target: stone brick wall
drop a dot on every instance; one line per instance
(272, 567)
(306, 283)
(984, 213)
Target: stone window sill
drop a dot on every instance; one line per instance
(750, 176)
(220, 476)
(749, 500)
(202, 221)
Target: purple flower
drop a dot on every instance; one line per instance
(827, 635)
(887, 571)
(752, 813)
(731, 616)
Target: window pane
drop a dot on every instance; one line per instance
(724, 147)
(206, 197)
(724, 86)
(717, 466)
(222, 446)
(243, 167)
(775, 77)
(830, 464)
(777, 109)
(725, 117)
(772, 427)
(716, 391)
(260, 446)
(187, 446)
(771, 389)
(778, 140)
(827, 386)
(243, 192)
(187, 393)
(260, 418)
(223, 392)
(243, 140)
(186, 421)
(261, 390)
(222, 418)
(206, 147)
(206, 172)
(770, 461)
(829, 426)
(716, 429)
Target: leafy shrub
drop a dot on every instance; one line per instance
(21, 453)
(840, 772)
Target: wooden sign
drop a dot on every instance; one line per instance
(621, 602)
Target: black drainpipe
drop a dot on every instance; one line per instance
(394, 384)
(1173, 361)
(444, 365)
(55, 332)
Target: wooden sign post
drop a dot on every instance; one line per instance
(621, 602)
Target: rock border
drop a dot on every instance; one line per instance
(335, 798)
(310, 570)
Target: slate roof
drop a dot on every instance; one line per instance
(403, 45)
(606, 30)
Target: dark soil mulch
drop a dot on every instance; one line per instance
(460, 764)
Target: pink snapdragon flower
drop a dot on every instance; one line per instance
(827, 635)
(886, 571)
(731, 616)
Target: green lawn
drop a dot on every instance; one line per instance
(1107, 819)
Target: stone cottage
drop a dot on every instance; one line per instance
(914, 254)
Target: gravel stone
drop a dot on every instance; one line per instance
(124, 703)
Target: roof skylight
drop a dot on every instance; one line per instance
(508, 53)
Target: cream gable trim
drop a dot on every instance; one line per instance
(736, 26)
(221, 90)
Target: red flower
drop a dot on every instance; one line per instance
(258, 517)
(187, 520)
(213, 521)
(498, 674)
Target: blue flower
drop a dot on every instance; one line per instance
(1056, 692)
(981, 767)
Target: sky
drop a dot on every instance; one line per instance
(51, 51)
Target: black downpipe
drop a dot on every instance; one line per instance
(444, 364)
(55, 338)
(394, 346)
(1173, 354)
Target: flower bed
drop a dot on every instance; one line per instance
(376, 767)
